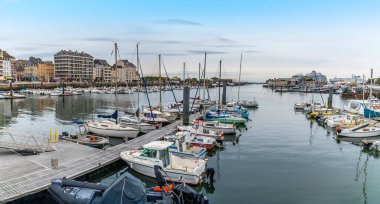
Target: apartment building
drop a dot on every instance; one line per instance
(73, 66)
(102, 71)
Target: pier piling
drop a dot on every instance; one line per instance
(330, 98)
(186, 103)
(224, 95)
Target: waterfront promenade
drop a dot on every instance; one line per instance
(25, 175)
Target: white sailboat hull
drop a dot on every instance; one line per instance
(114, 132)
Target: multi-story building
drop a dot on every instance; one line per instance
(102, 71)
(18, 72)
(6, 62)
(126, 71)
(73, 66)
(30, 72)
(45, 71)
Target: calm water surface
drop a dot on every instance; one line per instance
(281, 158)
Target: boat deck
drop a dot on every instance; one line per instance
(24, 175)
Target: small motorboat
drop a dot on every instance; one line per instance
(217, 126)
(200, 141)
(187, 169)
(224, 118)
(182, 148)
(135, 123)
(363, 131)
(198, 130)
(249, 103)
(88, 140)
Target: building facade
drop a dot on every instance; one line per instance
(102, 71)
(126, 71)
(6, 62)
(73, 66)
(46, 71)
(30, 72)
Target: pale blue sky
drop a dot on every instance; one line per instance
(279, 37)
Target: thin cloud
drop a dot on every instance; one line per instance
(211, 52)
(252, 51)
(161, 41)
(225, 40)
(179, 22)
(100, 39)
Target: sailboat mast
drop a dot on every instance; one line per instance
(204, 78)
(370, 93)
(116, 67)
(241, 59)
(220, 75)
(159, 80)
(138, 84)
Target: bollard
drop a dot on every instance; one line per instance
(186, 103)
(55, 135)
(54, 163)
(51, 136)
(330, 98)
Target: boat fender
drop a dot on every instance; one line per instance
(210, 172)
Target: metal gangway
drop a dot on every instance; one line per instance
(27, 143)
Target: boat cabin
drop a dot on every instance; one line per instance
(158, 150)
(152, 114)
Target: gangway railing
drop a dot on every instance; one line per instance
(28, 143)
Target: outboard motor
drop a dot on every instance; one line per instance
(65, 133)
(160, 179)
(190, 195)
(210, 172)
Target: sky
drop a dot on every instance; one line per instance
(277, 38)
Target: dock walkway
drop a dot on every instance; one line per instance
(26, 180)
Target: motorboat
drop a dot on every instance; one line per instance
(363, 131)
(187, 169)
(198, 130)
(249, 103)
(136, 123)
(182, 148)
(153, 117)
(224, 118)
(199, 141)
(88, 140)
(217, 126)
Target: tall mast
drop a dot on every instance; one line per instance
(116, 67)
(138, 72)
(199, 73)
(220, 75)
(241, 59)
(160, 81)
(363, 89)
(204, 77)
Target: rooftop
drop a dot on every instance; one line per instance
(158, 145)
(69, 52)
(101, 62)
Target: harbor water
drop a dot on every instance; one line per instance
(281, 157)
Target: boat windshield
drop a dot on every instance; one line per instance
(150, 153)
(164, 157)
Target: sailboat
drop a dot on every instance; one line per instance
(245, 103)
(112, 128)
(219, 115)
